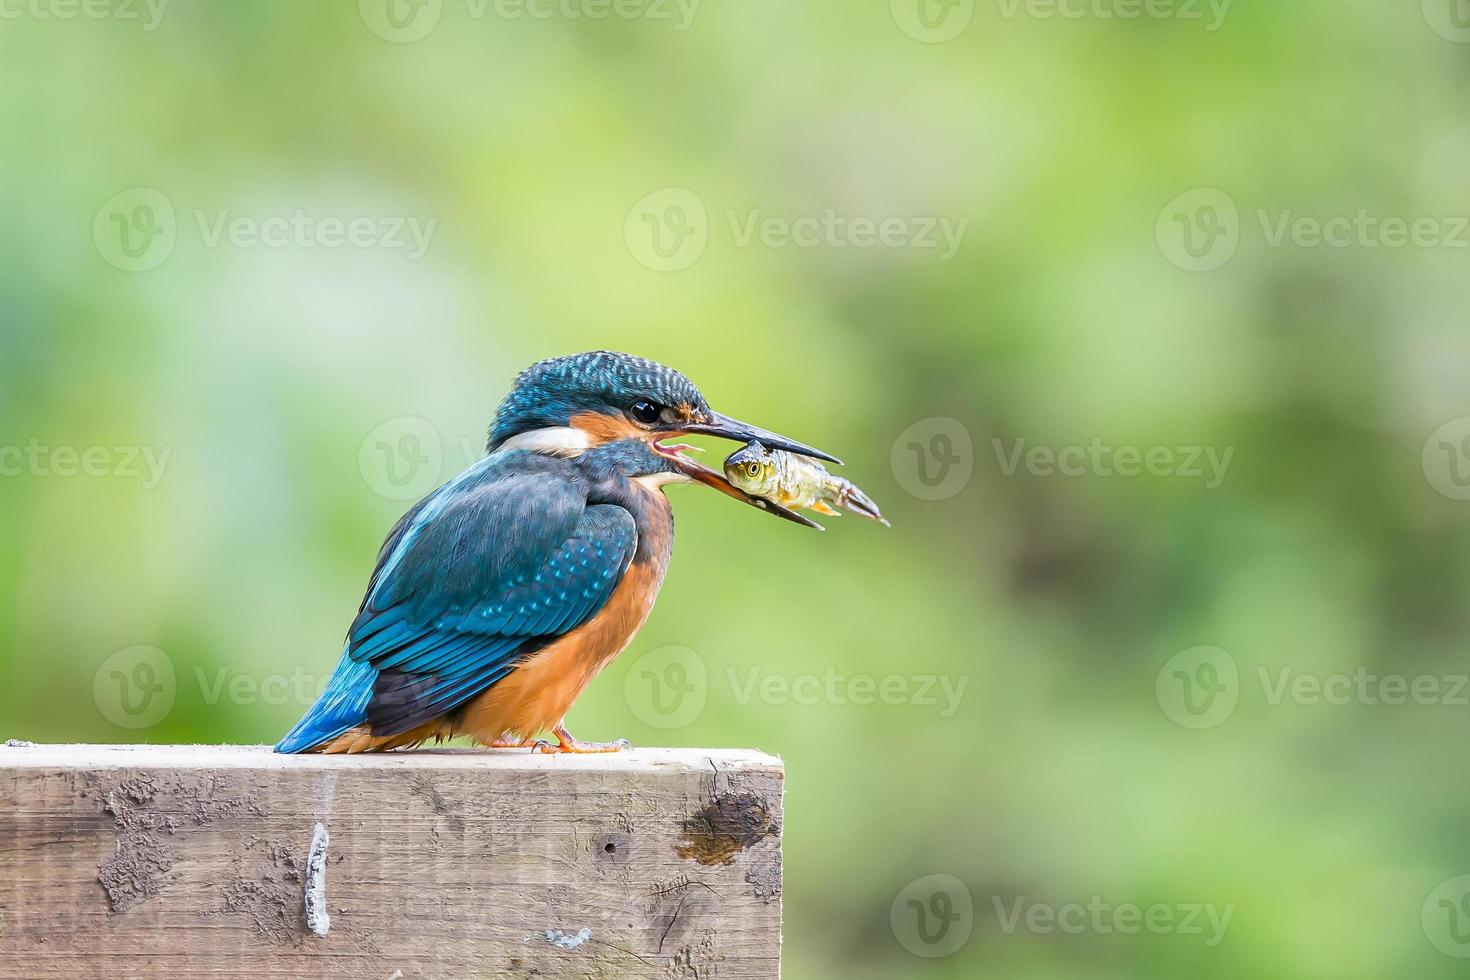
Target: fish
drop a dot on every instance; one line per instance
(797, 482)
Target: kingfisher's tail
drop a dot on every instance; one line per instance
(342, 705)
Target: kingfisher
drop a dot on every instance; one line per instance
(499, 596)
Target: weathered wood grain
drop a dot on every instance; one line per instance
(192, 861)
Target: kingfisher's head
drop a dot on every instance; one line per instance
(567, 406)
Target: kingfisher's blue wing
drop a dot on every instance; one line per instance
(480, 574)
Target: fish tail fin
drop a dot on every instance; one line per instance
(860, 503)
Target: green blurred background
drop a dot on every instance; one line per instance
(588, 182)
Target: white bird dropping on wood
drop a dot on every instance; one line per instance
(317, 918)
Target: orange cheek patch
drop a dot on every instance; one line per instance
(606, 428)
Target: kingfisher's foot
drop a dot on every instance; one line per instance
(510, 743)
(566, 742)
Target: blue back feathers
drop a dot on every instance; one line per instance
(481, 573)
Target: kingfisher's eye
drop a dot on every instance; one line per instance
(645, 412)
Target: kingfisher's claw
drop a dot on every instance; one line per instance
(566, 742)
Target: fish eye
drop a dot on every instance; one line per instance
(754, 469)
(645, 412)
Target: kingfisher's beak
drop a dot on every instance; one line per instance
(727, 428)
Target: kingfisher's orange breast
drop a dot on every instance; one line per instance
(536, 696)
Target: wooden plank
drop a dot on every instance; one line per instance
(194, 861)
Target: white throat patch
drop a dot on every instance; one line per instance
(556, 440)
(654, 481)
